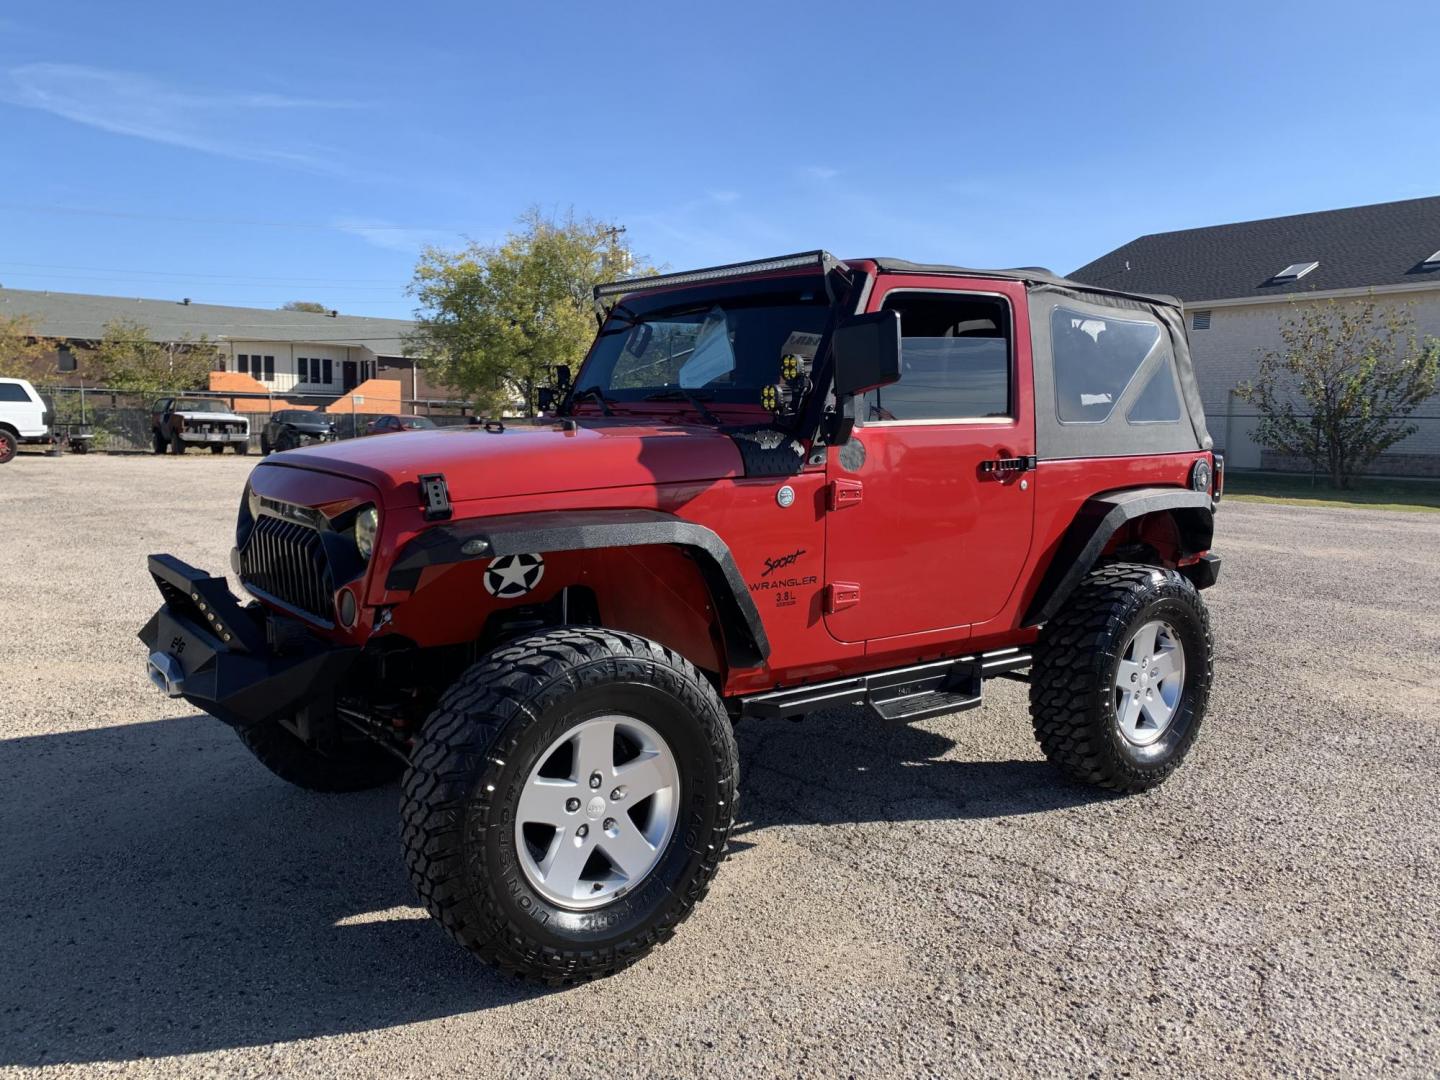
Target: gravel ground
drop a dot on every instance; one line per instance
(924, 900)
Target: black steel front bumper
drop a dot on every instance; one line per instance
(241, 665)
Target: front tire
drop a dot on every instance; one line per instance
(1122, 676)
(177, 444)
(159, 442)
(9, 447)
(517, 851)
(217, 448)
(352, 765)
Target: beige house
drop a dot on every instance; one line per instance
(315, 354)
(1238, 282)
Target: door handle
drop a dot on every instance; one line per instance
(1009, 464)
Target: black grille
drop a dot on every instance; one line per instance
(286, 561)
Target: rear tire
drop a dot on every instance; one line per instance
(352, 766)
(264, 446)
(159, 442)
(1122, 676)
(242, 448)
(9, 447)
(484, 859)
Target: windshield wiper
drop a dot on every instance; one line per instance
(679, 393)
(595, 393)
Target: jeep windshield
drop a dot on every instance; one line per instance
(719, 345)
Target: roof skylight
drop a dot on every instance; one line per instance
(1433, 262)
(1295, 271)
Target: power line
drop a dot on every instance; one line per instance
(328, 226)
(188, 275)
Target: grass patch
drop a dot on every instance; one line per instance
(1291, 489)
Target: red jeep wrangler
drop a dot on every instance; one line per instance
(771, 488)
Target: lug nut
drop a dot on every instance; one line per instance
(571, 805)
(595, 780)
(583, 831)
(609, 824)
(618, 793)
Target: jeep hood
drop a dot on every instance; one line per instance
(526, 458)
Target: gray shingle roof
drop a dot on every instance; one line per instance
(83, 317)
(1359, 247)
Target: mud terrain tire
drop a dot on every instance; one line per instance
(353, 766)
(482, 749)
(1073, 682)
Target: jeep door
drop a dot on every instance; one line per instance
(930, 517)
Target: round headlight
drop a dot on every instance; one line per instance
(366, 523)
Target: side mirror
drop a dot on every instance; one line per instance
(867, 353)
(545, 398)
(562, 378)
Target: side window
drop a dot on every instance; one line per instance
(1159, 402)
(954, 359)
(13, 391)
(1095, 360)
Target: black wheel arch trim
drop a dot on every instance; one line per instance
(546, 531)
(1099, 519)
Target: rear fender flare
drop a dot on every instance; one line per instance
(1097, 522)
(543, 532)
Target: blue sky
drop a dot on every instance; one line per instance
(262, 152)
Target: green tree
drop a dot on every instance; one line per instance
(305, 305)
(1357, 370)
(127, 358)
(23, 353)
(494, 320)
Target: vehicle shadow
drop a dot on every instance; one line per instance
(166, 895)
(844, 767)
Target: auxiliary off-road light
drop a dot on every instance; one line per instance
(819, 259)
(770, 397)
(789, 366)
(366, 522)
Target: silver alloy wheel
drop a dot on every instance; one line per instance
(597, 811)
(1149, 682)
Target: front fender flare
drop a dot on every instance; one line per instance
(577, 530)
(1097, 521)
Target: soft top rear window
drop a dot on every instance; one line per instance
(1095, 359)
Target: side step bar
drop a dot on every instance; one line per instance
(899, 695)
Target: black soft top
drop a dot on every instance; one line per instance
(1035, 275)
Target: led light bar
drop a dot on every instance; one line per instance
(822, 261)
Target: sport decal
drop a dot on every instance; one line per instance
(514, 575)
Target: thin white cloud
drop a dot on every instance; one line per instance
(820, 172)
(127, 103)
(383, 234)
(723, 196)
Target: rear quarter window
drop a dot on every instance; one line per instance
(11, 391)
(1098, 357)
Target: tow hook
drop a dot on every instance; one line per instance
(166, 674)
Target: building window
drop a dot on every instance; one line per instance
(65, 359)
(242, 363)
(327, 372)
(269, 368)
(1200, 320)
(303, 368)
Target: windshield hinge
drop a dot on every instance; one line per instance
(434, 497)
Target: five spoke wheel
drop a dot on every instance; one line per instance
(597, 811)
(1148, 682)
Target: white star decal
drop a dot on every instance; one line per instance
(513, 575)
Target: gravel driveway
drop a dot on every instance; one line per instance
(921, 900)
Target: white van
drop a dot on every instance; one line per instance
(22, 417)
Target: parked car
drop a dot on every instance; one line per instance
(24, 417)
(398, 422)
(179, 423)
(290, 428)
(771, 488)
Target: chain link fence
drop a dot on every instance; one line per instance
(118, 421)
(1233, 425)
